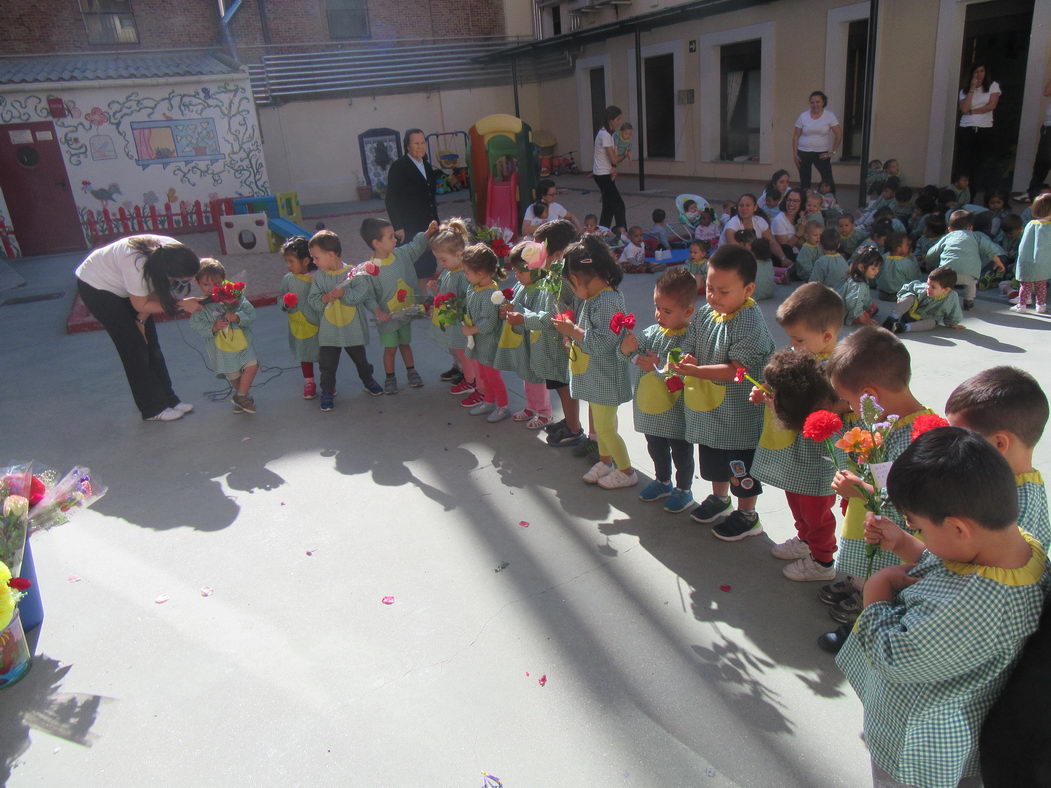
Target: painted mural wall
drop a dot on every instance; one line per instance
(168, 142)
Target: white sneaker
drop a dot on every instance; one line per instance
(1013, 300)
(183, 407)
(618, 479)
(1041, 309)
(598, 470)
(807, 569)
(482, 408)
(168, 414)
(497, 414)
(1020, 308)
(790, 550)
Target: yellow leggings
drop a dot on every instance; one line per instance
(610, 443)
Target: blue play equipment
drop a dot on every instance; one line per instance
(285, 228)
(279, 225)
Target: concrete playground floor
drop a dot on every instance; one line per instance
(544, 631)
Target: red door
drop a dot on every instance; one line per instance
(36, 188)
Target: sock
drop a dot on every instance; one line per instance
(750, 514)
(390, 376)
(823, 563)
(723, 498)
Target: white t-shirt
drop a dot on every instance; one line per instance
(981, 120)
(781, 226)
(601, 164)
(759, 226)
(117, 268)
(554, 211)
(817, 132)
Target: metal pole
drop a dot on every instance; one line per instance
(640, 123)
(866, 112)
(514, 82)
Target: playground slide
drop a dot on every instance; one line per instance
(286, 228)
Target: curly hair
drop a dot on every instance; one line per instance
(800, 387)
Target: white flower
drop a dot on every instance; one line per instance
(497, 298)
(16, 505)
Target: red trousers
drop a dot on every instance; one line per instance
(815, 523)
(493, 388)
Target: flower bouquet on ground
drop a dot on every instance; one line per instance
(14, 650)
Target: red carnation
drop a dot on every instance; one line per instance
(500, 248)
(569, 315)
(19, 583)
(926, 422)
(291, 300)
(372, 269)
(822, 425)
(239, 285)
(674, 383)
(622, 322)
(508, 293)
(740, 375)
(401, 295)
(36, 491)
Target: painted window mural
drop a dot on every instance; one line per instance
(167, 142)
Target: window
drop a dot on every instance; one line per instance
(109, 21)
(741, 84)
(347, 18)
(167, 142)
(556, 20)
(659, 90)
(854, 96)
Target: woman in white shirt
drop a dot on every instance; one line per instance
(126, 283)
(604, 170)
(784, 225)
(746, 219)
(815, 140)
(974, 136)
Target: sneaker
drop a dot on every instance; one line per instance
(847, 611)
(554, 425)
(168, 414)
(1021, 197)
(738, 526)
(807, 569)
(523, 415)
(415, 381)
(618, 479)
(712, 509)
(373, 388)
(900, 328)
(655, 490)
(565, 437)
(538, 422)
(1020, 308)
(497, 414)
(1041, 309)
(473, 399)
(680, 501)
(585, 447)
(836, 592)
(461, 388)
(390, 386)
(833, 641)
(968, 305)
(309, 390)
(482, 408)
(244, 402)
(450, 374)
(889, 322)
(597, 471)
(457, 379)
(793, 548)
(183, 408)
(327, 402)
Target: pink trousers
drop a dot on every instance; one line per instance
(537, 398)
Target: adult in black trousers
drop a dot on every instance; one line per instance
(604, 170)
(1042, 162)
(126, 283)
(974, 133)
(411, 206)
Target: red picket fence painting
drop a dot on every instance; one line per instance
(169, 220)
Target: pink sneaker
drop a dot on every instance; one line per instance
(309, 390)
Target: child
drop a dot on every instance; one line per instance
(1007, 407)
(598, 370)
(933, 229)
(861, 310)
(448, 245)
(302, 320)
(808, 252)
(831, 267)
(539, 213)
(892, 169)
(849, 235)
(697, 263)
(764, 274)
(707, 230)
(622, 139)
(592, 226)
(228, 334)
(967, 252)
(922, 306)
(658, 406)
(961, 188)
(1033, 268)
(829, 205)
(899, 267)
(729, 211)
(903, 204)
(813, 209)
(692, 213)
(1011, 227)
(481, 267)
(335, 295)
(771, 205)
(811, 316)
(633, 255)
(926, 205)
(512, 352)
(938, 636)
(394, 293)
(660, 228)
(729, 332)
(998, 202)
(886, 213)
(875, 174)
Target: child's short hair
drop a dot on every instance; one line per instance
(944, 276)
(800, 386)
(329, 241)
(210, 269)
(687, 203)
(625, 126)
(1011, 223)
(745, 237)
(925, 203)
(875, 164)
(811, 226)
(903, 194)
(935, 227)
(892, 183)
(372, 230)
(814, 305)
(539, 209)
(590, 257)
(882, 228)
(701, 244)
(734, 258)
(953, 472)
(1042, 206)
(761, 249)
(479, 258)
(961, 220)
(1001, 399)
(452, 237)
(590, 217)
(957, 175)
(883, 212)
(773, 194)
(634, 228)
(658, 215)
(870, 356)
(846, 216)
(888, 162)
(894, 240)
(825, 183)
(946, 196)
(557, 235)
(830, 240)
(679, 284)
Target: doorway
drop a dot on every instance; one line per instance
(740, 92)
(36, 188)
(597, 81)
(660, 106)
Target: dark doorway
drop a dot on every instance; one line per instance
(556, 20)
(660, 106)
(597, 78)
(741, 85)
(854, 100)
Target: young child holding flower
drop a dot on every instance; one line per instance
(302, 320)
(482, 323)
(448, 245)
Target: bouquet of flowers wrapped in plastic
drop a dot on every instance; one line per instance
(496, 238)
(226, 296)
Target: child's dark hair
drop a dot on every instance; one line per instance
(679, 284)
(846, 216)
(961, 220)
(935, 226)
(589, 216)
(1011, 222)
(944, 276)
(539, 209)
(883, 212)
(164, 262)
(800, 387)
(299, 247)
(870, 356)
(875, 188)
(658, 215)
(761, 249)
(894, 240)
(590, 257)
(687, 203)
(945, 196)
(329, 241)
(625, 126)
(371, 230)
(953, 472)
(1001, 399)
(892, 183)
(903, 194)
(773, 194)
(926, 203)
(703, 245)
(210, 269)
(1003, 194)
(745, 237)
(830, 240)
(882, 229)
(557, 235)
(957, 175)
(814, 305)
(866, 258)
(888, 162)
(479, 258)
(734, 258)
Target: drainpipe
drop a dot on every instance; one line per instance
(514, 82)
(866, 112)
(641, 125)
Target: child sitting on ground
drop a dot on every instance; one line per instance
(903, 206)
(886, 213)
(829, 204)
(899, 267)
(1033, 268)
(934, 228)
(923, 306)
(764, 271)
(633, 255)
(808, 252)
(961, 189)
(850, 236)
(861, 310)
(697, 263)
(707, 230)
(831, 267)
(302, 320)
(967, 252)
(813, 209)
(1011, 227)
(660, 230)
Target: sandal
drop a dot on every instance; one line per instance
(523, 415)
(538, 422)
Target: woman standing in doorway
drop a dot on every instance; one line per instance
(604, 170)
(815, 140)
(126, 283)
(978, 99)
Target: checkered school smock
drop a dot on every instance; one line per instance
(896, 272)
(719, 415)
(790, 462)
(965, 250)
(856, 298)
(513, 346)
(452, 337)
(658, 411)
(484, 314)
(342, 322)
(851, 558)
(805, 259)
(230, 350)
(548, 357)
(1032, 507)
(849, 243)
(598, 371)
(945, 311)
(830, 269)
(697, 269)
(1034, 252)
(398, 272)
(929, 665)
(302, 319)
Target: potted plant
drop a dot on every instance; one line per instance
(364, 190)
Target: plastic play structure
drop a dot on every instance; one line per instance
(502, 168)
(241, 218)
(447, 151)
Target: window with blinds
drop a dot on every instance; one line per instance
(347, 18)
(109, 21)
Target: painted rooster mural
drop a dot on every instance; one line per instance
(104, 196)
